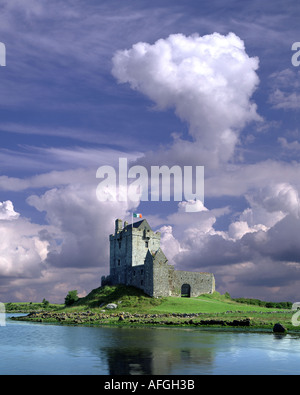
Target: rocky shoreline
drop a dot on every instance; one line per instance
(89, 317)
(92, 318)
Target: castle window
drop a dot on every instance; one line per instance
(142, 271)
(142, 282)
(134, 272)
(119, 262)
(146, 244)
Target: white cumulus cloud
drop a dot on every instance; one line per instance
(7, 211)
(207, 80)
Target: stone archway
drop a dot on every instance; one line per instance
(186, 290)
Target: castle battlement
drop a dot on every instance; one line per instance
(136, 259)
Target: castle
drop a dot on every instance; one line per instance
(136, 259)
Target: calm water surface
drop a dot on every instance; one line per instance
(32, 348)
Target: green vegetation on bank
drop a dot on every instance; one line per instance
(132, 306)
(20, 307)
(257, 302)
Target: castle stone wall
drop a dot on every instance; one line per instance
(199, 283)
(142, 241)
(162, 277)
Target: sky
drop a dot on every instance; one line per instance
(173, 82)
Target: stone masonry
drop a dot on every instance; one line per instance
(136, 259)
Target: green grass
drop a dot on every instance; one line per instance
(127, 298)
(133, 300)
(206, 303)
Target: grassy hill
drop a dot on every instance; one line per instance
(133, 300)
(126, 297)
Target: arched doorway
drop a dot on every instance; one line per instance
(185, 290)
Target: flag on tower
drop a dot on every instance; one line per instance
(135, 215)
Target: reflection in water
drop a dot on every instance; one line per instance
(158, 351)
(128, 362)
(28, 348)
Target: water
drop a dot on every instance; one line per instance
(33, 348)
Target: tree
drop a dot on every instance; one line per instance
(45, 302)
(71, 297)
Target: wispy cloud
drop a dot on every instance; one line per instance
(57, 165)
(86, 135)
(285, 87)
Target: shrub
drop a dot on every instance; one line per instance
(71, 298)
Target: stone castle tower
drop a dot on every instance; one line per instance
(136, 259)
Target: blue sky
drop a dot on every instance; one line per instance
(72, 100)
